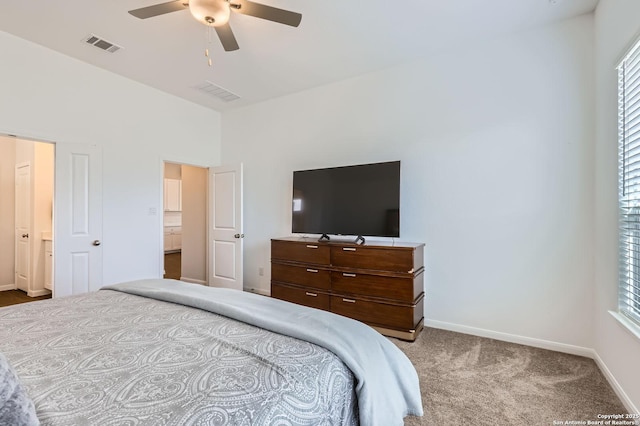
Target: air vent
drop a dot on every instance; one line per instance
(216, 91)
(101, 43)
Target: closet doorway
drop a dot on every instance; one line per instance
(26, 218)
(185, 189)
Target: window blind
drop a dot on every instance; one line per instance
(629, 183)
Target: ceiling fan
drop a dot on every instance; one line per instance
(215, 13)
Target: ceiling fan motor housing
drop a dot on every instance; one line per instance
(210, 12)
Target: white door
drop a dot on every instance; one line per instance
(23, 225)
(226, 227)
(77, 219)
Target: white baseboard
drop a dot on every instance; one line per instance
(5, 287)
(512, 338)
(38, 293)
(626, 401)
(192, 280)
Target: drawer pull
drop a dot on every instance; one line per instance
(344, 274)
(311, 246)
(349, 300)
(311, 294)
(348, 249)
(315, 271)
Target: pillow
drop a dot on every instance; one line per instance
(16, 408)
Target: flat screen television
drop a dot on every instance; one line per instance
(360, 200)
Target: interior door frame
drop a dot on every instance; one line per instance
(26, 136)
(160, 210)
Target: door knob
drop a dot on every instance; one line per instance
(96, 242)
(25, 235)
(239, 236)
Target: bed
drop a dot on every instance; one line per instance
(164, 352)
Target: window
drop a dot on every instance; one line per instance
(629, 189)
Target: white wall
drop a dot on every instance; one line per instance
(496, 145)
(49, 96)
(194, 224)
(172, 171)
(42, 178)
(7, 212)
(616, 27)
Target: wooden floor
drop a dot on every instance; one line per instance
(14, 297)
(173, 265)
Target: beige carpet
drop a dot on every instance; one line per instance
(468, 380)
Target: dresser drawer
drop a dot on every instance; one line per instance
(379, 314)
(380, 259)
(300, 296)
(303, 252)
(301, 275)
(393, 288)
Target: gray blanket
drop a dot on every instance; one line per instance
(109, 358)
(387, 383)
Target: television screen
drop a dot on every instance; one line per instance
(353, 200)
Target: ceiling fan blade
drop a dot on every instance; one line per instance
(269, 13)
(227, 38)
(159, 9)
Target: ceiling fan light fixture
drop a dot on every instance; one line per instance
(215, 15)
(210, 12)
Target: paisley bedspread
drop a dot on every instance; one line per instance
(111, 358)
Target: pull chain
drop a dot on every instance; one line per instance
(208, 42)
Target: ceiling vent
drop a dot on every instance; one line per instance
(216, 91)
(101, 43)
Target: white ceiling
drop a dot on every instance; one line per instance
(336, 39)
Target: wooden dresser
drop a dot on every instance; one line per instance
(381, 284)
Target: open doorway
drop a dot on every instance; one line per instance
(26, 220)
(185, 190)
